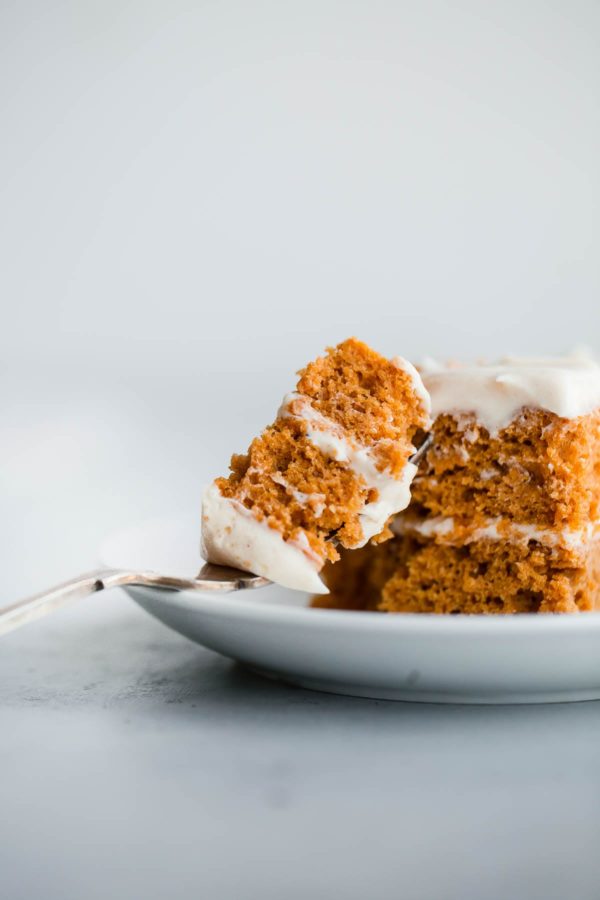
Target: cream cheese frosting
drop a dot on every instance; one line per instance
(446, 530)
(496, 393)
(232, 536)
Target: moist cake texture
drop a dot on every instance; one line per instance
(506, 503)
(413, 574)
(329, 472)
(541, 468)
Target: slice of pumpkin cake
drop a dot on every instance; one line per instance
(505, 511)
(330, 472)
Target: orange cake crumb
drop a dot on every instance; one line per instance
(506, 503)
(331, 469)
(541, 468)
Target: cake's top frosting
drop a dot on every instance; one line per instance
(496, 392)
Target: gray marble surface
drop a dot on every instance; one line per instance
(136, 764)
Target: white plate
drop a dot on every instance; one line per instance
(442, 659)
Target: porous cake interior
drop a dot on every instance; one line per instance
(415, 575)
(541, 468)
(290, 477)
(499, 523)
(491, 577)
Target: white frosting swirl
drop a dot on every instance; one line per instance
(496, 393)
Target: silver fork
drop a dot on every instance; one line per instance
(209, 578)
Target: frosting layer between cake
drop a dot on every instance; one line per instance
(446, 530)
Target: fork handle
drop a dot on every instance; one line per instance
(210, 578)
(31, 608)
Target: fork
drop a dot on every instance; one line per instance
(211, 578)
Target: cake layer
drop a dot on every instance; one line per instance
(541, 468)
(490, 577)
(331, 470)
(417, 575)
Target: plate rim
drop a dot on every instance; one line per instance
(241, 603)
